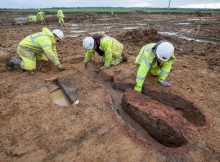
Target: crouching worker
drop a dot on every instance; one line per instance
(38, 46)
(156, 58)
(107, 47)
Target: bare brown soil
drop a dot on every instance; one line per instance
(33, 128)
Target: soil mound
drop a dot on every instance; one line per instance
(140, 36)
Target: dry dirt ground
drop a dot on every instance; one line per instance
(33, 128)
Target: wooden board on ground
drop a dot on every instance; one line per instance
(68, 89)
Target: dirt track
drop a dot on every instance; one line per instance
(33, 128)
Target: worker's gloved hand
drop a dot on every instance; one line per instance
(138, 89)
(165, 84)
(60, 67)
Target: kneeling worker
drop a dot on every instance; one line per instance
(109, 48)
(156, 58)
(38, 46)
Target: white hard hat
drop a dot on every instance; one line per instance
(164, 51)
(58, 33)
(88, 43)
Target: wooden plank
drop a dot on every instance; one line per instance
(68, 89)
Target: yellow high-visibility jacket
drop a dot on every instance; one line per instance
(60, 14)
(42, 42)
(34, 18)
(40, 15)
(112, 49)
(147, 60)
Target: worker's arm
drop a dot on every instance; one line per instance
(165, 71)
(54, 49)
(141, 74)
(166, 67)
(89, 55)
(50, 51)
(108, 57)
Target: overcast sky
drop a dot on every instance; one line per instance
(108, 3)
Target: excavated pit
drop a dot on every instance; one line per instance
(63, 91)
(182, 104)
(164, 128)
(160, 121)
(59, 98)
(68, 88)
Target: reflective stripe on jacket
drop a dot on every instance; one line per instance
(42, 42)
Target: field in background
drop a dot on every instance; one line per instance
(119, 10)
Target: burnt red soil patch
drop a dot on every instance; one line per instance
(188, 108)
(183, 104)
(160, 121)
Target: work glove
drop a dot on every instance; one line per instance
(60, 67)
(165, 84)
(138, 89)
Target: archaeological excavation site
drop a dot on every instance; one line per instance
(94, 114)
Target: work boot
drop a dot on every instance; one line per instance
(9, 66)
(12, 63)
